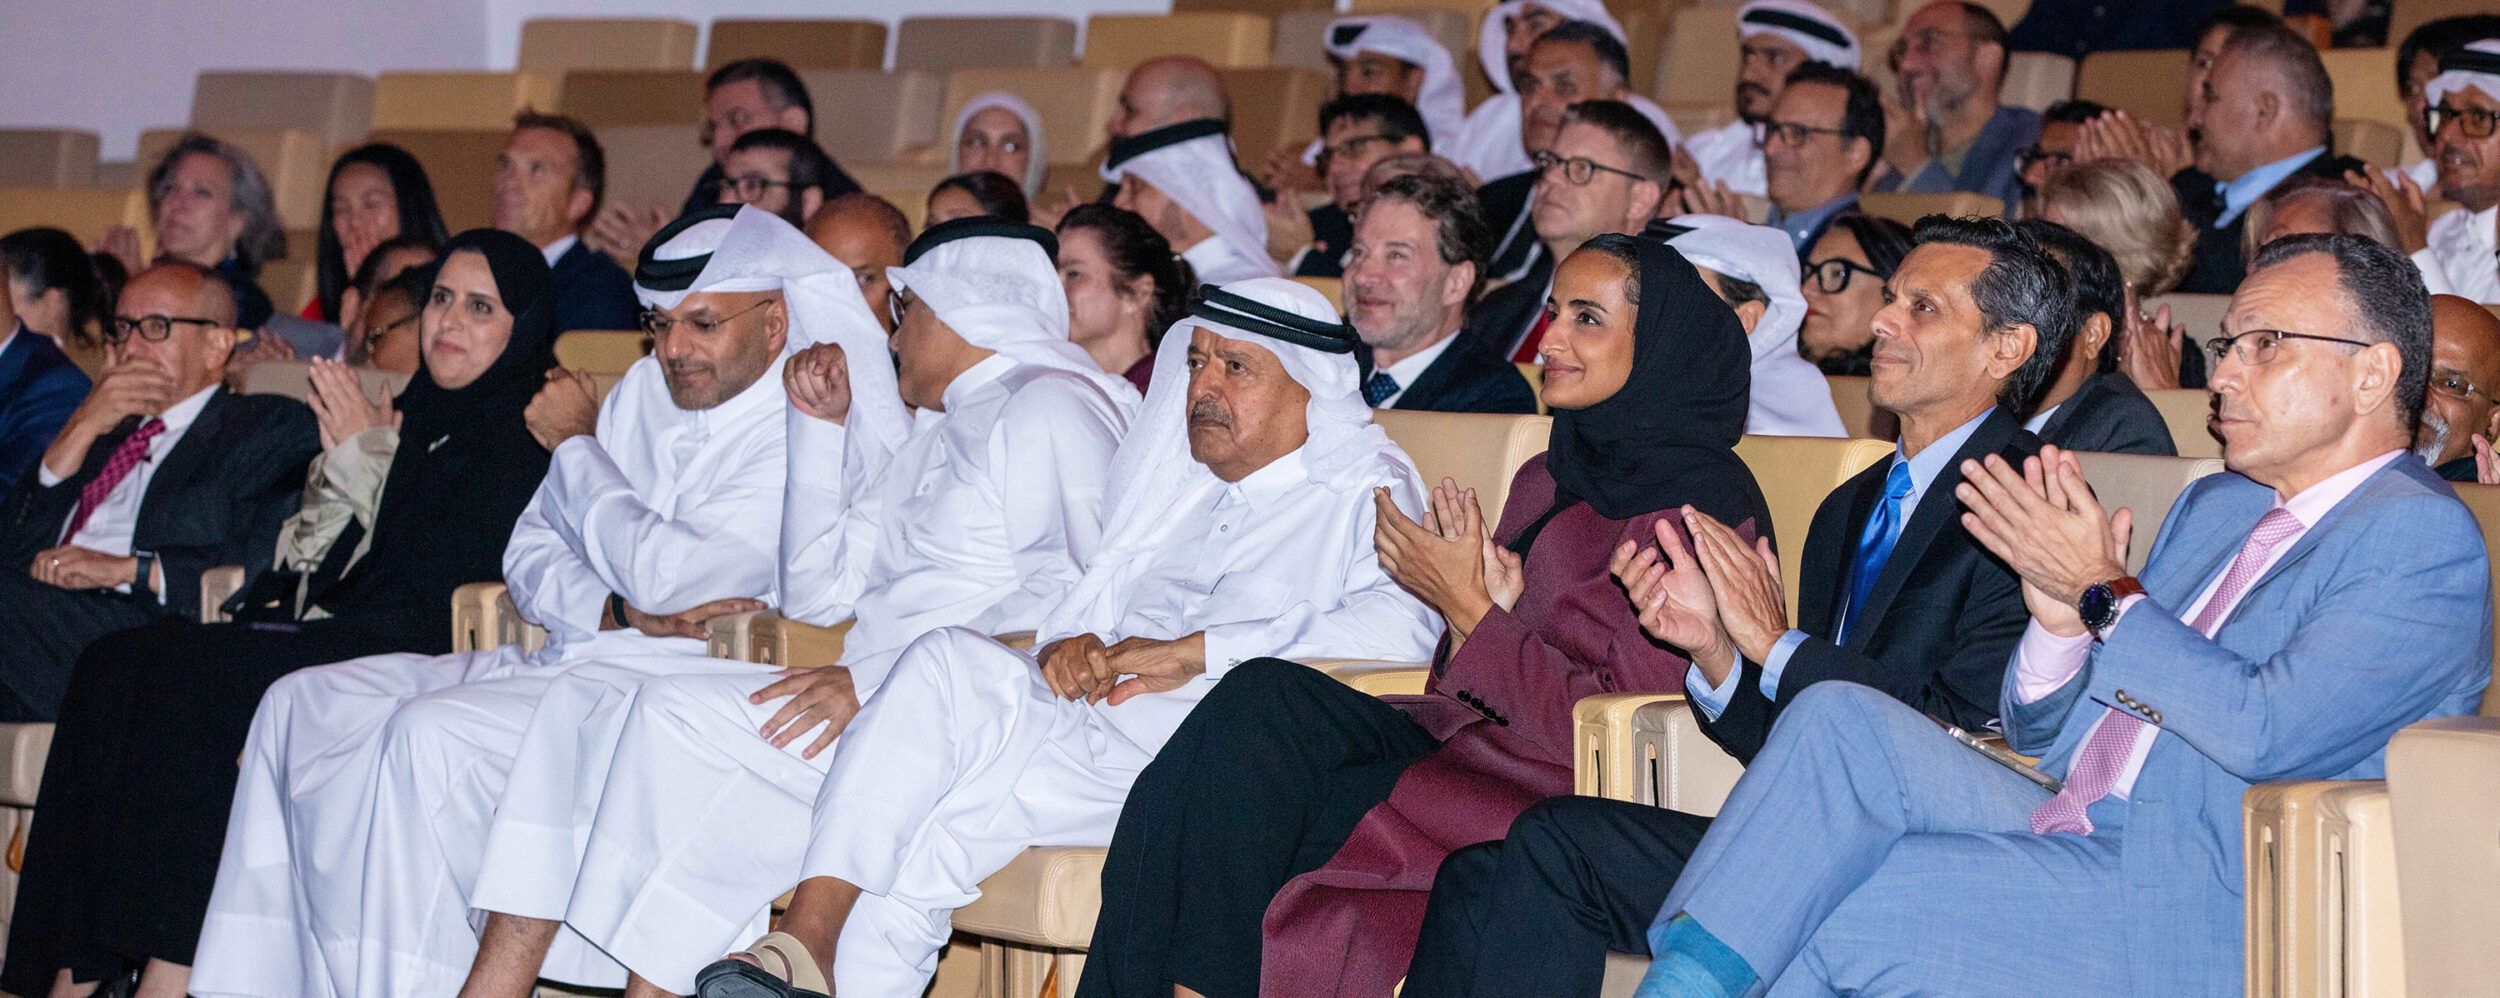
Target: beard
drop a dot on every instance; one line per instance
(2433, 440)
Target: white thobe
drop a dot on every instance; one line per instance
(1789, 397)
(366, 785)
(981, 521)
(964, 757)
(1728, 154)
(1217, 261)
(2464, 250)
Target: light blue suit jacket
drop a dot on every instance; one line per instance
(2378, 617)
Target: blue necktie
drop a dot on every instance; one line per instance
(1875, 545)
(1379, 386)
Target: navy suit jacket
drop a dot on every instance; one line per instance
(1463, 379)
(2110, 414)
(2216, 267)
(592, 292)
(39, 387)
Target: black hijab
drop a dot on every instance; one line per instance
(1668, 437)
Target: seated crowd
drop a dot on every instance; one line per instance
(1086, 486)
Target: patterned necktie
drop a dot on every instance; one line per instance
(1875, 545)
(2105, 754)
(1377, 387)
(1526, 354)
(133, 449)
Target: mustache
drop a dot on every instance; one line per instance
(1744, 90)
(1209, 412)
(683, 367)
(2430, 449)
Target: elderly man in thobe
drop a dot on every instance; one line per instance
(1240, 528)
(1181, 179)
(1773, 37)
(2460, 256)
(660, 509)
(1754, 270)
(984, 516)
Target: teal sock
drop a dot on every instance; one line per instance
(1688, 961)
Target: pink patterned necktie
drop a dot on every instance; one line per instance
(133, 449)
(2105, 754)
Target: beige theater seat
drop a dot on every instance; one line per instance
(944, 43)
(1795, 474)
(1274, 108)
(1299, 35)
(404, 101)
(602, 98)
(2185, 410)
(560, 45)
(2037, 79)
(47, 157)
(1535, 373)
(905, 184)
(2149, 84)
(2370, 140)
(1224, 40)
(460, 163)
(2148, 484)
(2200, 314)
(336, 106)
(1907, 208)
(1269, 8)
(85, 212)
(803, 45)
(873, 116)
(2443, 786)
(1481, 451)
(296, 162)
(293, 379)
(1699, 62)
(652, 165)
(1333, 287)
(292, 282)
(1076, 104)
(602, 351)
(2365, 86)
(1858, 413)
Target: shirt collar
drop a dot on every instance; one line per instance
(974, 378)
(1405, 372)
(2313, 502)
(556, 250)
(1280, 478)
(1802, 224)
(181, 415)
(12, 336)
(2237, 195)
(2041, 418)
(1931, 462)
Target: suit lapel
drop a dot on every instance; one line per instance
(2308, 539)
(187, 455)
(1937, 510)
(1435, 380)
(1832, 547)
(13, 360)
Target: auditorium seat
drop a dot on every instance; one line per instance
(2200, 314)
(604, 97)
(84, 212)
(1225, 40)
(2145, 483)
(944, 43)
(1266, 8)
(1858, 413)
(336, 106)
(2365, 88)
(1084, 178)
(293, 281)
(2037, 79)
(873, 116)
(47, 157)
(460, 163)
(602, 351)
(1333, 287)
(1076, 104)
(652, 165)
(2149, 84)
(558, 45)
(1481, 451)
(2371, 141)
(1299, 36)
(296, 162)
(1274, 108)
(2443, 788)
(293, 379)
(1907, 208)
(480, 101)
(1795, 474)
(2186, 411)
(1699, 63)
(1535, 373)
(803, 45)
(905, 184)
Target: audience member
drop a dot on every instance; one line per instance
(2465, 107)
(2261, 120)
(1181, 180)
(1356, 132)
(1648, 383)
(2086, 404)
(157, 714)
(1410, 165)
(1774, 37)
(210, 205)
(1381, 55)
(739, 97)
(1823, 139)
(158, 476)
(1124, 287)
(1971, 326)
(384, 264)
(1845, 273)
(1753, 270)
(2123, 207)
(1608, 170)
(980, 519)
(62, 292)
(386, 334)
(2061, 127)
(2298, 640)
(2465, 371)
(867, 234)
(377, 193)
(1573, 62)
(999, 132)
(1416, 266)
(2417, 60)
(2166, 150)
(1950, 67)
(1497, 140)
(1241, 525)
(548, 182)
(39, 388)
(1159, 93)
(782, 172)
(981, 194)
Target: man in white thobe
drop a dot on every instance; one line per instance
(1754, 270)
(984, 515)
(2463, 257)
(1182, 180)
(1774, 36)
(1489, 142)
(1243, 505)
(672, 503)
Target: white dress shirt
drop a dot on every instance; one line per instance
(2464, 255)
(1413, 366)
(556, 250)
(110, 527)
(1729, 155)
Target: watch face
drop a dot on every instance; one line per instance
(2095, 605)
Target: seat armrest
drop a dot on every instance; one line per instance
(2443, 787)
(768, 638)
(217, 585)
(23, 749)
(1018, 640)
(2320, 889)
(511, 629)
(1603, 726)
(1376, 677)
(474, 626)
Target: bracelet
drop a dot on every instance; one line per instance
(139, 578)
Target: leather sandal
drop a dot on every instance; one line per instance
(783, 968)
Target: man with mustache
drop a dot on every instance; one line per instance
(1950, 60)
(1774, 37)
(2465, 374)
(2464, 104)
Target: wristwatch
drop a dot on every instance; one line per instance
(2099, 603)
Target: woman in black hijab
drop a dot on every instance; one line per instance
(142, 771)
(1291, 800)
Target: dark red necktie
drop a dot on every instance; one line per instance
(133, 449)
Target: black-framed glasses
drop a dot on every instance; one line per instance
(1349, 148)
(1578, 169)
(751, 186)
(152, 328)
(2258, 346)
(1832, 274)
(2028, 156)
(1791, 132)
(659, 324)
(375, 333)
(2456, 385)
(2475, 122)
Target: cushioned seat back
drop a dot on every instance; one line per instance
(1224, 40)
(905, 184)
(84, 212)
(562, 44)
(460, 163)
(2186, 410)
(652, 164)
(873, 116)
(293, 379)
(943, 43)
(1858, 413)
(1481, 451)
(601, 351)
(1795, 474)
(2484, 500)
(1076, 104)
(2443, 788)
(2037, 79)
(2145, 483)
(2365, 85)
(1274, 108)
(336, 106)
(1333, 287)
(1267, 8)
(816, 44)
(1700, 56)
(456, 100)
(2201, 315)
(2148, 84)
(2370, 140)
(296, 162)
(604, 97)
(1299, 38)
(1907, 208)
(47, 157)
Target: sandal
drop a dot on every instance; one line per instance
(783, 968)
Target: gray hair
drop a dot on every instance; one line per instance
(263, 239)
(2384, 290)
(2351, 210)
(2296, 62)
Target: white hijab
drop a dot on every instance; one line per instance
(1789, 396)
(1032, 179)
(1489, 142)
(1002, 293)
(1199, 175)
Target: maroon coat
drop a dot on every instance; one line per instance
(1349, 927)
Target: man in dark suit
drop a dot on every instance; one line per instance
(1416, 264)
(1609, 171)
(548, 183)
(39, 387)
(2088, 405)
(1896, 596)
(1572, 61)
(1356, 131)
(2262, 120)
(160, 475)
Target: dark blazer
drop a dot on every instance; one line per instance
(39, 387)
(219, 499)
(1505, 313)
(592, 292)
(1332, 233)
(2110, 414)
(2216, 267)
(2459, 470)
(1505, 203)
(1939, 626)
(1463, 380)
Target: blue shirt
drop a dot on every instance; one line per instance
(2237, 195)
(1924, 467)
(1805, 225)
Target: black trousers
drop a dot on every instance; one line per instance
(1536, 913)
(132, 815)
(42, 629)
(1263, 783)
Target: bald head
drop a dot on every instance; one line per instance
(193, 307)
(1167, 91)
(2465, 374)
(868, 234)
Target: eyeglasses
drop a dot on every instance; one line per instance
(1347, 149)
(152, 328)
(376, 333)
(1578, 169)
(2258, 346)
(2475, 122)
(751, 186)
(2029, 155)
(2457, 386)
(1833, 274)
(1791, 132)
(659, 323)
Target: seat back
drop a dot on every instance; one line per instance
(1270, 8)
(47, 157)
(84, 212)
(460, 163)
(336, 106)
(293, 379)
(563, 44)
(803, 45)
(1907, 208)
(1299, 36)
(1700, 56)
(459, 100)
(296, 162)
(2037, 79)
(1274, 108)
(1333, 287)
(1481, 451)
(652, 164)
(944, 43)
(1795, 474)
(2147, 484)
(905, 184)
(1228, 40)
(880, 117)
(602, 98)
(2365, 87)
(2149, 84)
(2185, 411)
(2370, 140)
(2200, 315)
(2443, 788)
(1076, 104)
(2484, 501)
(601, 351)
(1858, 413)
(1535, 373)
